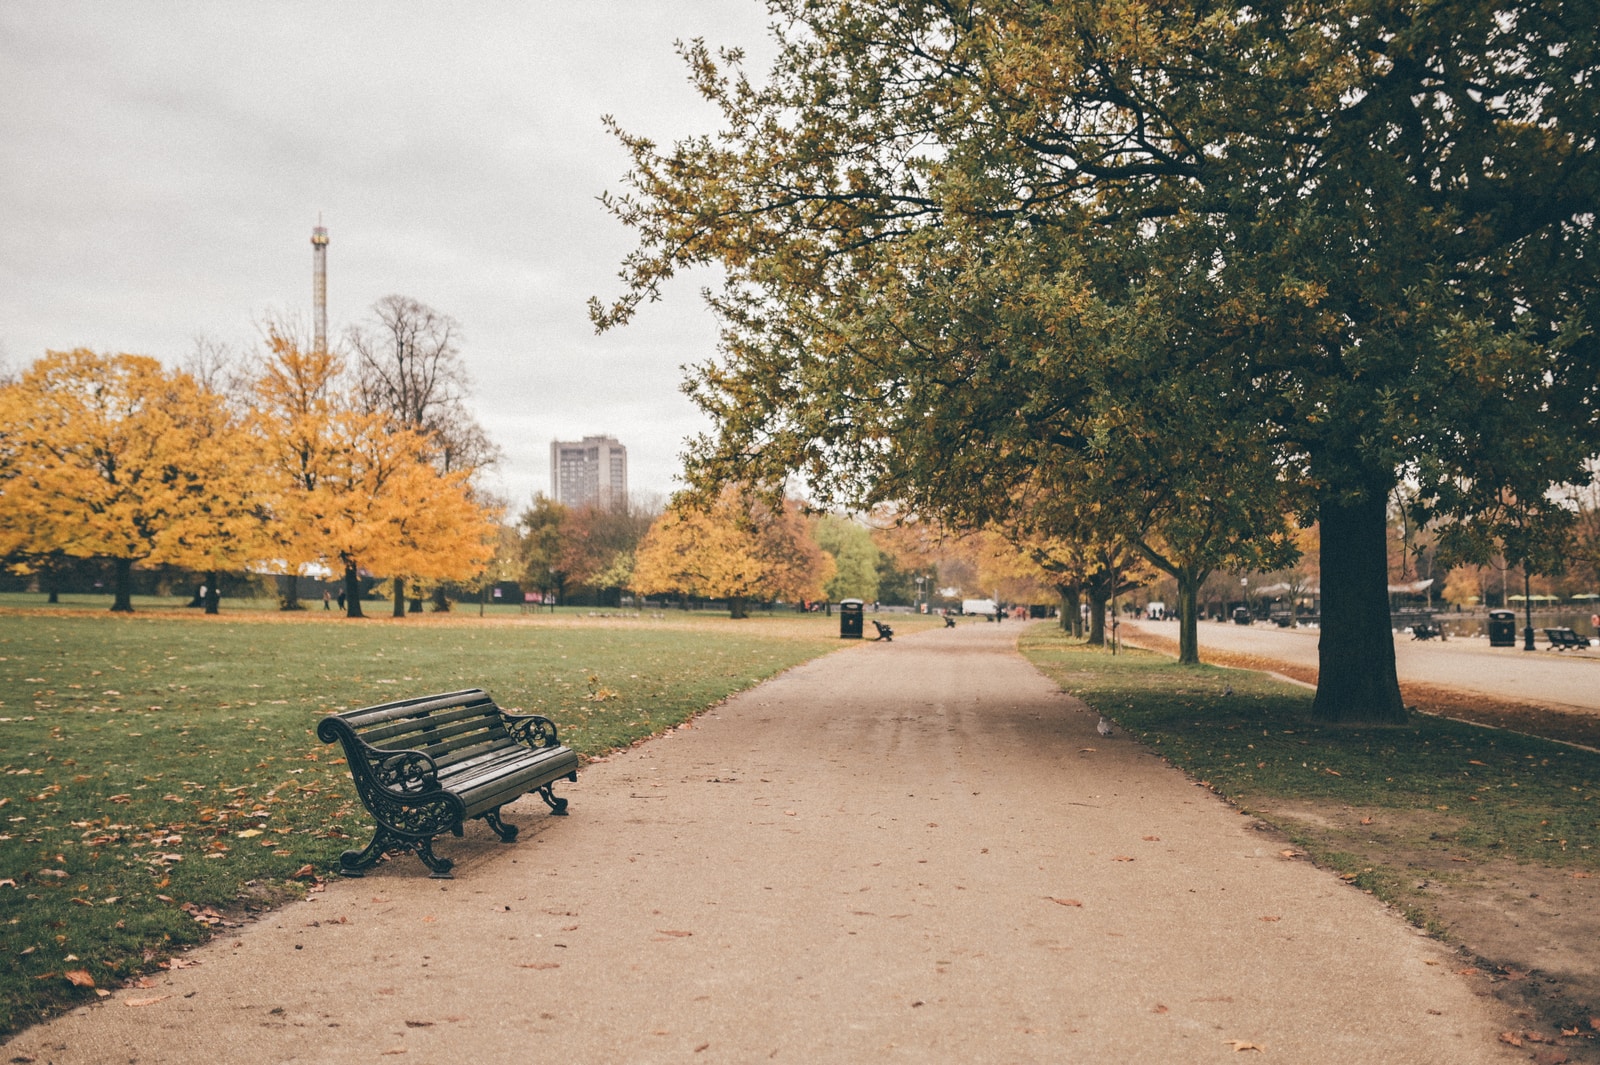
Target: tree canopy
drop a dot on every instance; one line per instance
(1278, 256)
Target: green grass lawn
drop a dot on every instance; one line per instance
(163, 764)
(1438, 790)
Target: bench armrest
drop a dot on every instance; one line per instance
(531, 730)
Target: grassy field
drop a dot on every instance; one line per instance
(160, 773)
(1435, 791)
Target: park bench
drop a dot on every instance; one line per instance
(885, 633)
(1565, 639)
(949, 622)
(1426, 630)
(427, 765)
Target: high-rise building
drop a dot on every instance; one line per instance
(591, 470)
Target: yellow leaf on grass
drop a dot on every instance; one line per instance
(79, 977)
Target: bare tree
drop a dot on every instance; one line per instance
(408, 364)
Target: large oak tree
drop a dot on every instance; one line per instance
(941, 225)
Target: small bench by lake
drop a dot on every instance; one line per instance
(1565, 640)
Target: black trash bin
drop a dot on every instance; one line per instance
(1502, 628)
(850, 619)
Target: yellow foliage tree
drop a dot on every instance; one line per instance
(734, 549)
(380, 505)
(111, 456)
(296, 402)
(352, 489)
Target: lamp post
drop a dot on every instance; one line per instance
(1527, 610)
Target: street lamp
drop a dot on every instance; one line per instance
(1527, 610)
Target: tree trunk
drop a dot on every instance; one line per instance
(1189, 582)
(291, 592)
(1357, 682)
(352, 590)
(399, 597)
(1097, 615)
(213, 593)
(441, 602)
(736, 608)
(122, 568)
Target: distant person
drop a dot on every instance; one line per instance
(327, 600)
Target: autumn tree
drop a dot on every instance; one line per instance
(297, 400)
(1378, 221)
(598, 543)
(734, 548)
(112, 456)
(855, 558)
(539, 529)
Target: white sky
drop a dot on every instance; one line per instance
(162, 165)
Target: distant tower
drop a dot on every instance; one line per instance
(319, 283)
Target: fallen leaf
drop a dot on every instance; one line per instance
(673, 932)
(1332, 772)
(1272, 918)
(136, 1003)
(1366, 820)
(1152, 839)
(1122, 858)
(419, 1024)
(394, 1050)
(1511, 1038)
(1291, 854)
(1467, 972)
(1159, 1008)
(539, 965)
(1064, 902)
(79, 977)
(1241, 1045)
(702, 1046)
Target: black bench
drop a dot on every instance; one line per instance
(1426, 630)
(1563, 639)
(885, 633)
(427, 765)
(949, 622)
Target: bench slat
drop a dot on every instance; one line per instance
(367, 717)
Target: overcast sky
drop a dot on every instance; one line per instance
(162, 166)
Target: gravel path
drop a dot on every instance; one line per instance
(906, 852)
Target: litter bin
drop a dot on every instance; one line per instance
(1242, 615)
(1502, 628)
(850, 619)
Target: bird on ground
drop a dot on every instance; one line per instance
(1228, 690)
(1104, 727)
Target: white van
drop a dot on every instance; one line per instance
(977, 606)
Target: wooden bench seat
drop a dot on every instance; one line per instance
(428, 765)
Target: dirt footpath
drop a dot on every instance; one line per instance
(903, 852)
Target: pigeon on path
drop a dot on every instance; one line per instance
(1104, 727)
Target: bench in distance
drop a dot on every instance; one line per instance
(885, 633)
(1565, 639)
(427, 765)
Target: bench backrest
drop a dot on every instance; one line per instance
(450, 728)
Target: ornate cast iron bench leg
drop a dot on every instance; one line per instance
(558, 806)
(506, 832)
